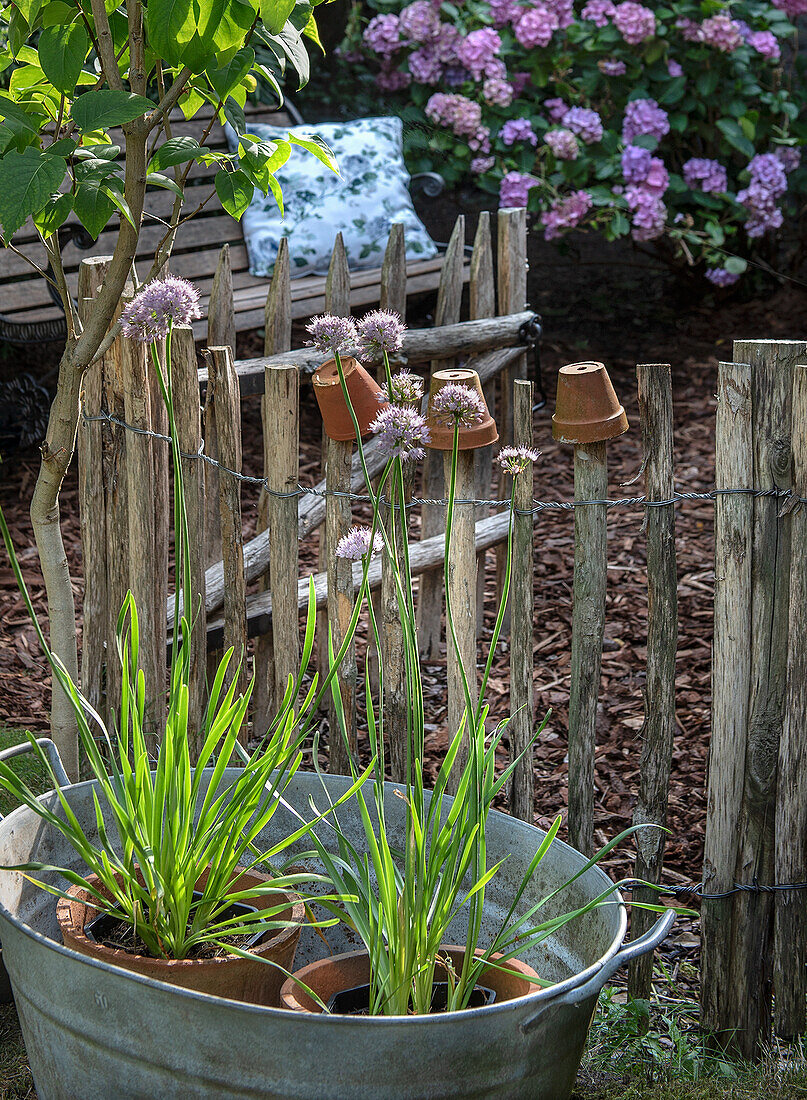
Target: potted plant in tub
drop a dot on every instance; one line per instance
(404, 901)
(173, 884)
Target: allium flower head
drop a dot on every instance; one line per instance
(455, 404)
(515, 459)
(159, 304)
(332, 334)
(401, 431)
(406, 389)
(380, 331)
(357, 544)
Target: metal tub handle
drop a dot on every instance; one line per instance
(52, 754)
(629, 951)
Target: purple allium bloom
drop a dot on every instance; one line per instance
(674, 69)
(356, 544)
(455, 404)
(382, 35)
(406, 389)
(392, 80)
(477, 49)
(499, 93)
(585, 123)
(598, 11)
(515, 189)
(518, 129)
(380, 331)
(789, 156)
(566, 213)
(536, 26)
(419, 22)
(644, 116)
(425, 66)
(764, 42)
(563, 144)
(720, 277)
(649, 214)
(634, 22)
(705, 175)
(515, 459)
(332, 334)
(612, 67)
(721, 32)
(520, 82)
(556, 109)
(402, 432)
(480, 165)
(160, 304)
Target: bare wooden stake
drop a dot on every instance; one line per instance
(188, 416)
(656, 414)
(482, 297)
(393, 273)
(772, 364)
(223, 391)
(220, 334)
(522, 695)
(790, 942)
(731, 682)
(588, 624)
(461, 649)
(281, 425)
(430, 593)
(276, 338)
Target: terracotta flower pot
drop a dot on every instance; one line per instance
(228, 976)
(587, 409)
(442, 435)
(339, 972)
(365, 397)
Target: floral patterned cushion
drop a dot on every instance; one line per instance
(371, 196)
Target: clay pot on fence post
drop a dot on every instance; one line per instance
(365, 394)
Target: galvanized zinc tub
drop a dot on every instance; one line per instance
(99, 1032)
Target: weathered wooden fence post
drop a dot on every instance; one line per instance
(223, 392)
(276, 339)
(656, 415)
(461, 592)
(220, 334)
(522, 695)
(430, 591)
(482, 302)
(731, 678)
(188, 416)
(790, 942)
(338, 466)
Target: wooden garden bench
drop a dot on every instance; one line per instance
(29, 314)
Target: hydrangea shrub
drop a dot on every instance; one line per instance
(679, 123)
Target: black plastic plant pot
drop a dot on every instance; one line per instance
(356, 1001)
(102, 927)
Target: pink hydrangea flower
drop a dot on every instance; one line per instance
(720, 277)
(503, 12)
(585, 123)
(447, 44)
(641, 169)
(792, 8)
(566, 213)
(634, 22)
(563, 144)
(536, 26)
(520, 82)
(764, 42)
(790, 157)
(599, 12)
(674, 69)
(420, 22)
(425, 66)
(392, 80)
(515, 189)
(556, 109)
(479, 142)
(612, 67)
(477, 49)
(690, 30)
(382, 35)
(480, 165)
(722, 32)
(705, 175)
(648, 213)
(461, 114)
(497, 92)
(563, 10)
(644, 116)
(518, 129)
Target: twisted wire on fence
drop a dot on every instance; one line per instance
(538, 505)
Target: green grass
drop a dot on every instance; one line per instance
(27, 767)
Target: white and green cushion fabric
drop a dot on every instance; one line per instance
(371, 196)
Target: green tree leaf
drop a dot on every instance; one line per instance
(157, 179)
(27, 180)
(318, 148)
(226, 79)
(62, 52)
(102, 108)
(93, 207)
(275, 14)
(177, 150)
(235, 191)
(11, 110)
(55, 213)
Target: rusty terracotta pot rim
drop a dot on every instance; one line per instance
(67, 921)
(349, 364)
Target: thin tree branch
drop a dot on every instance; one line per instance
(106, 46)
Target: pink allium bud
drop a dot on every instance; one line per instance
(513, 460)
(159, 305)
(358, 543)
(401, 432)
(331, 334)
(455, 404)
(380, 331)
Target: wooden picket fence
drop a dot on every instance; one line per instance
(753, 940)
